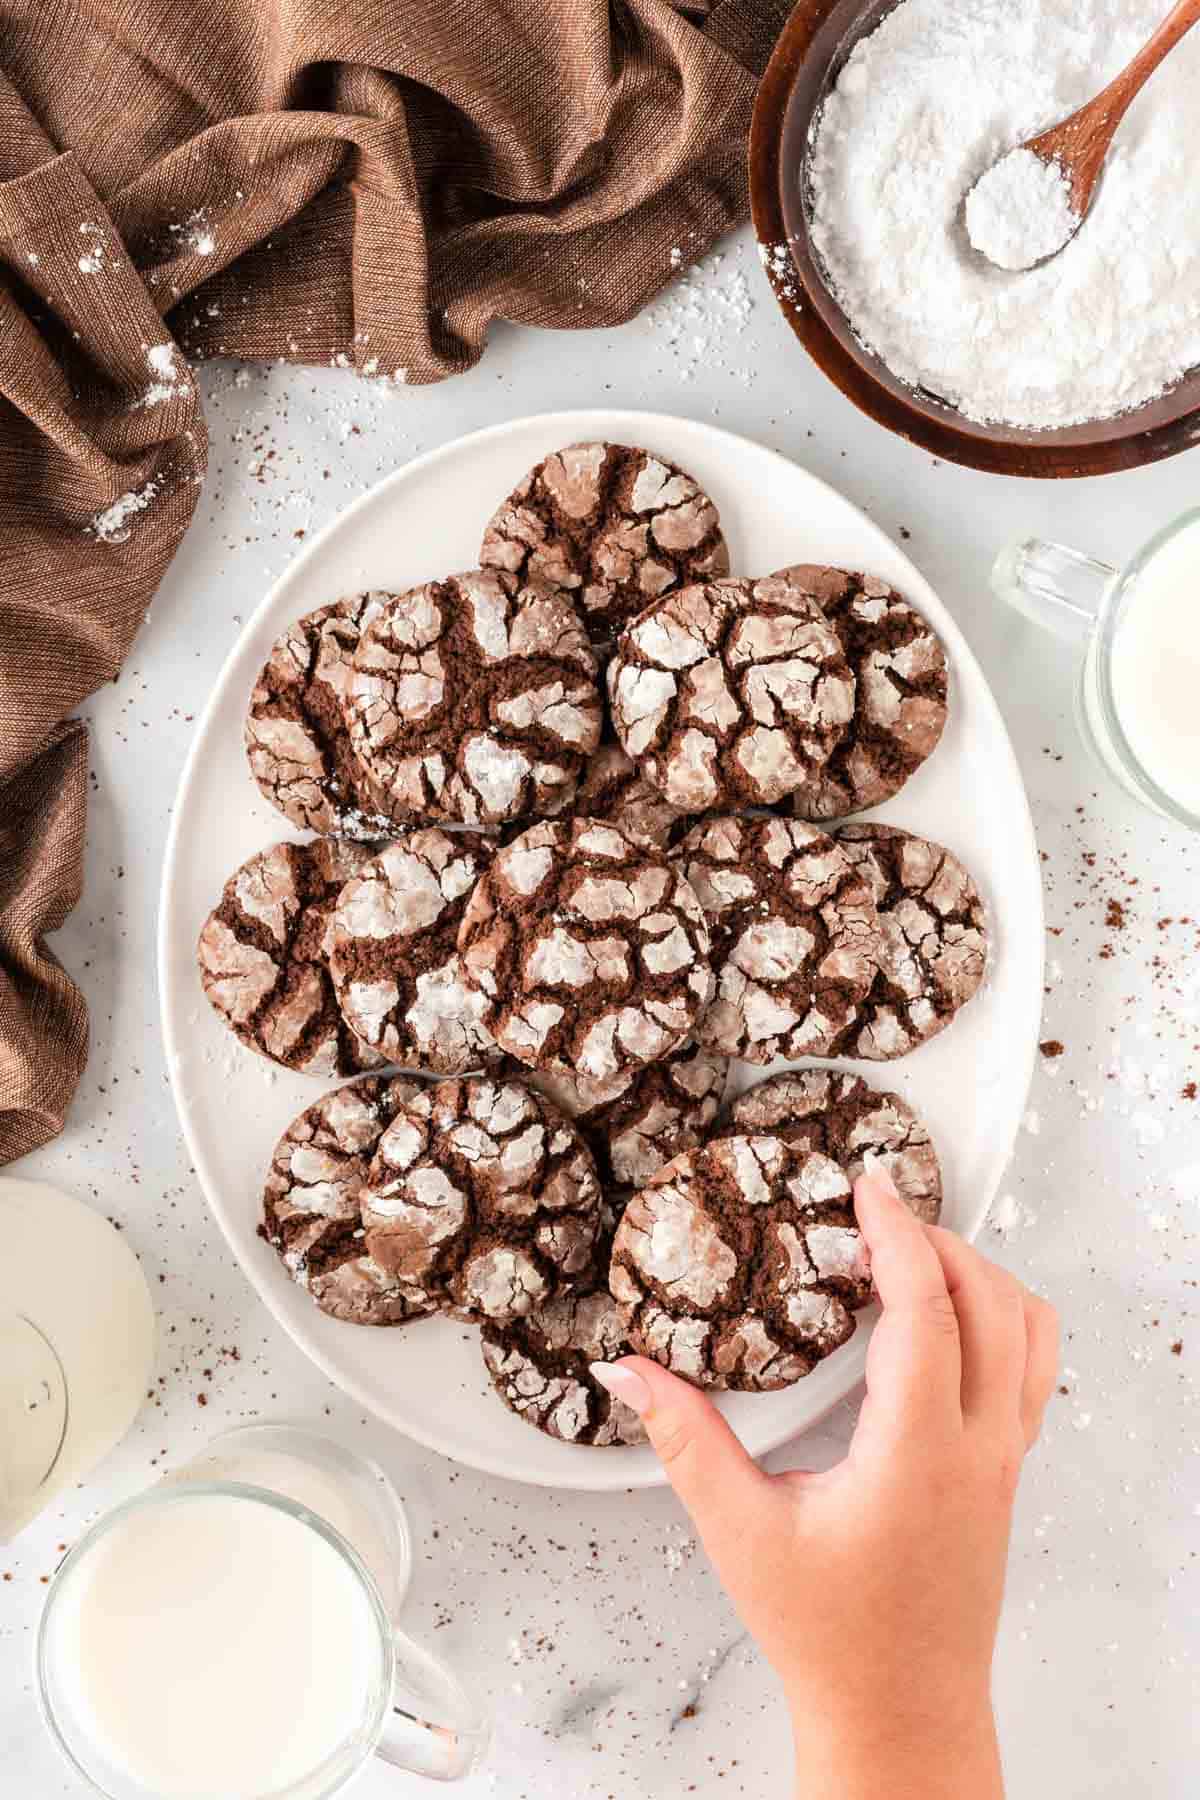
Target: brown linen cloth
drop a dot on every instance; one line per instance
(367, 182)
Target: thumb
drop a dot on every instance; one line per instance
(703, 1459)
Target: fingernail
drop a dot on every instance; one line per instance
(880, 1176)
(624, 1384)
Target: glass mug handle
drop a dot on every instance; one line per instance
(1056, 587)
(433, 1728)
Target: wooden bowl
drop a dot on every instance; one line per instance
(808, 57)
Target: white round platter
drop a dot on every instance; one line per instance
(969, 1084)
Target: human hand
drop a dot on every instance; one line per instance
(874, 1588)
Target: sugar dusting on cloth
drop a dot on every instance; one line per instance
(922, 108)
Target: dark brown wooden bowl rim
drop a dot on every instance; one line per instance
(787, 97)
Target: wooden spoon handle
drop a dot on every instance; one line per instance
(1081, 141)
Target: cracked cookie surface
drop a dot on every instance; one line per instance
(484, 1199)
(295, 734)
(612, 525)
(740, 1264)
(311, 1202)
(730, 693)
(640, 1118)
(540, 1367)
(845, 1118)
(933, 940)
(615, 789)
(393, 955)
(899, 666)
(264, 957)
(591, 951)
(474, 700)
(794, 933)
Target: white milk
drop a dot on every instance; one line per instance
(1155, 668)
(76, 1344)
(216, 1645)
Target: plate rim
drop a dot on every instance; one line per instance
(598, 422)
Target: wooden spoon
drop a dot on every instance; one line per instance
(1079, 144)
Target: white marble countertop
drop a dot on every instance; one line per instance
(614, 1663)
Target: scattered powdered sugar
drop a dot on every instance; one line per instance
(169, 375)
(703, 313)
(921, 109)
(1020, 211)
(195, 234)
(112, 525)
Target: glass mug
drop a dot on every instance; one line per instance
(285, 1513)
(1137, 700)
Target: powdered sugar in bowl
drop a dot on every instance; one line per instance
(1018, 398)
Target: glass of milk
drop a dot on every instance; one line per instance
(231, 1634)
(1138, 699)
(76, 1345)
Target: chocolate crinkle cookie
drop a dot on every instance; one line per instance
(540, 1367)
(264, 957)
(296, 738)
(795, 936)
(849, 1121)
(473, 699)
(899, 666)
(933, 940)
(591, 952)
(393, 958)
(740, 1264)
(483, 1198)
(611, 525)
(640, 1118)
(731, 693)
(311, 1203)
(614, 788)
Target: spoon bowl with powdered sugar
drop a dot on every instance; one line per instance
(1029, 205)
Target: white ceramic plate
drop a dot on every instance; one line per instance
(969, 1084)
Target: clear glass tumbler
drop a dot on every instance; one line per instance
(415, 1713)
(1088, 602)
(76, 1345)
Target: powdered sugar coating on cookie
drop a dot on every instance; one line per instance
(933, 940)
(740, 1263)
(264, 953)
(311, 1202)
(473, 699)
(483, 1198)
(899, 666)
(540, 1367)
(296, 738)
(846, 1119)
(794, 936)
(730, 693)
(612, 526)
(591, 951)
(640, 1118)
(393, 955)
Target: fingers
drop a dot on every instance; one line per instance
(991, 1329)
(914, 1368)
(704, 1461)
(1009, 1339)
(1041, 1364)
